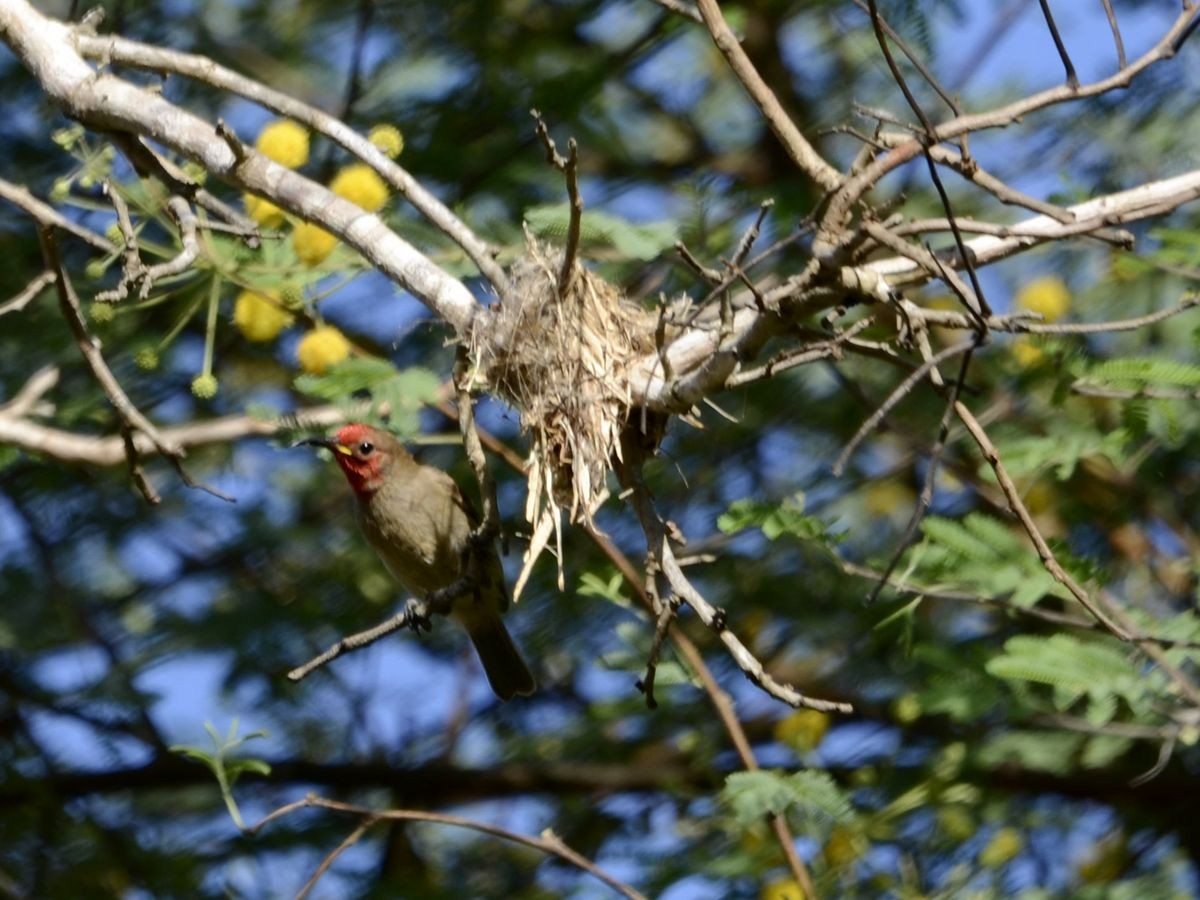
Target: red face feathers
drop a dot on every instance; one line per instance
(364, 454)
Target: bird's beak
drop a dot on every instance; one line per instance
(327, 443)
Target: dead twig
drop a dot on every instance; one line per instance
(548, 842)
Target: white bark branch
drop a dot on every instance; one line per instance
(48, 49)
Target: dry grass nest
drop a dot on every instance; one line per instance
(564, 363)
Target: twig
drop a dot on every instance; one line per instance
(415, 615)
(931, 469)
(1017, 505)
(132, 269)
(27, 398)
(569, 166)
(1072, 78)
(27, 294)
(1116, 32)
(980, 308)
(1021, 323)
(915, 58)
(368, 822)
(681, 8)
(901, 391)
(489, 528)
(798, 148)
(548, 842)
(45, 214)
(131, 416)
(746, 244)
(712, 276)
(658, 543)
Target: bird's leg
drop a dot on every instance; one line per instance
(420, 609)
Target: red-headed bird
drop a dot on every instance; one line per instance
(420, 524)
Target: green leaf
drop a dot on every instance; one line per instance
(1040, 751)
(347, 377)
(1133, 373)
(776, 520)
(601, 229)
(1067, 663)
(752, 795)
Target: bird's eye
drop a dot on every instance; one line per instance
(365, 448)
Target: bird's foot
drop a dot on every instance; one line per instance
(417, 613)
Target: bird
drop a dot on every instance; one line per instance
(420, 524)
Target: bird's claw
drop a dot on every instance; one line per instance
(418, 616)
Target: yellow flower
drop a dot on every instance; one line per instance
(312, 243)
(1026, 353)
(388, 139)
(1003, 847)
(361, 185)
(785, 889)
(284, 141)
(803, 729)
(321, 348)
(204, 387)
(262, 211)
(259, 315)
(1048, 296)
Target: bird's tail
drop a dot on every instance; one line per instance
(502, 663)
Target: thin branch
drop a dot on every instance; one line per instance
(1116, 32)
(925, 500)
(798, 148)
(569, 166)
(1017, 505)
(415, 615)
(367, 823)
(27, 294)
(1072, 78)
(850, 193)
(913, 57)
(1024, 323)
(902, 390)
(548, 842)
(45, 214)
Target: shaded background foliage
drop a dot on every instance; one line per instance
(125, 628)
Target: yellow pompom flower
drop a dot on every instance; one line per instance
(882, 498)
(803, 729)
(388, 139)
(785, 889)
(285, 142)
(321, 348)
(204, 387)
(361, 185)
(1048, 296)
(262, 211)
(1002, 848)
(312, 243)
(259, 315)
(1026, 353)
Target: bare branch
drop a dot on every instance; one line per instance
(548, 842)
(45, 214)
(143, 56)
(798, 148)
(27, 294)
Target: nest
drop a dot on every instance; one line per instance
(564, 363)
